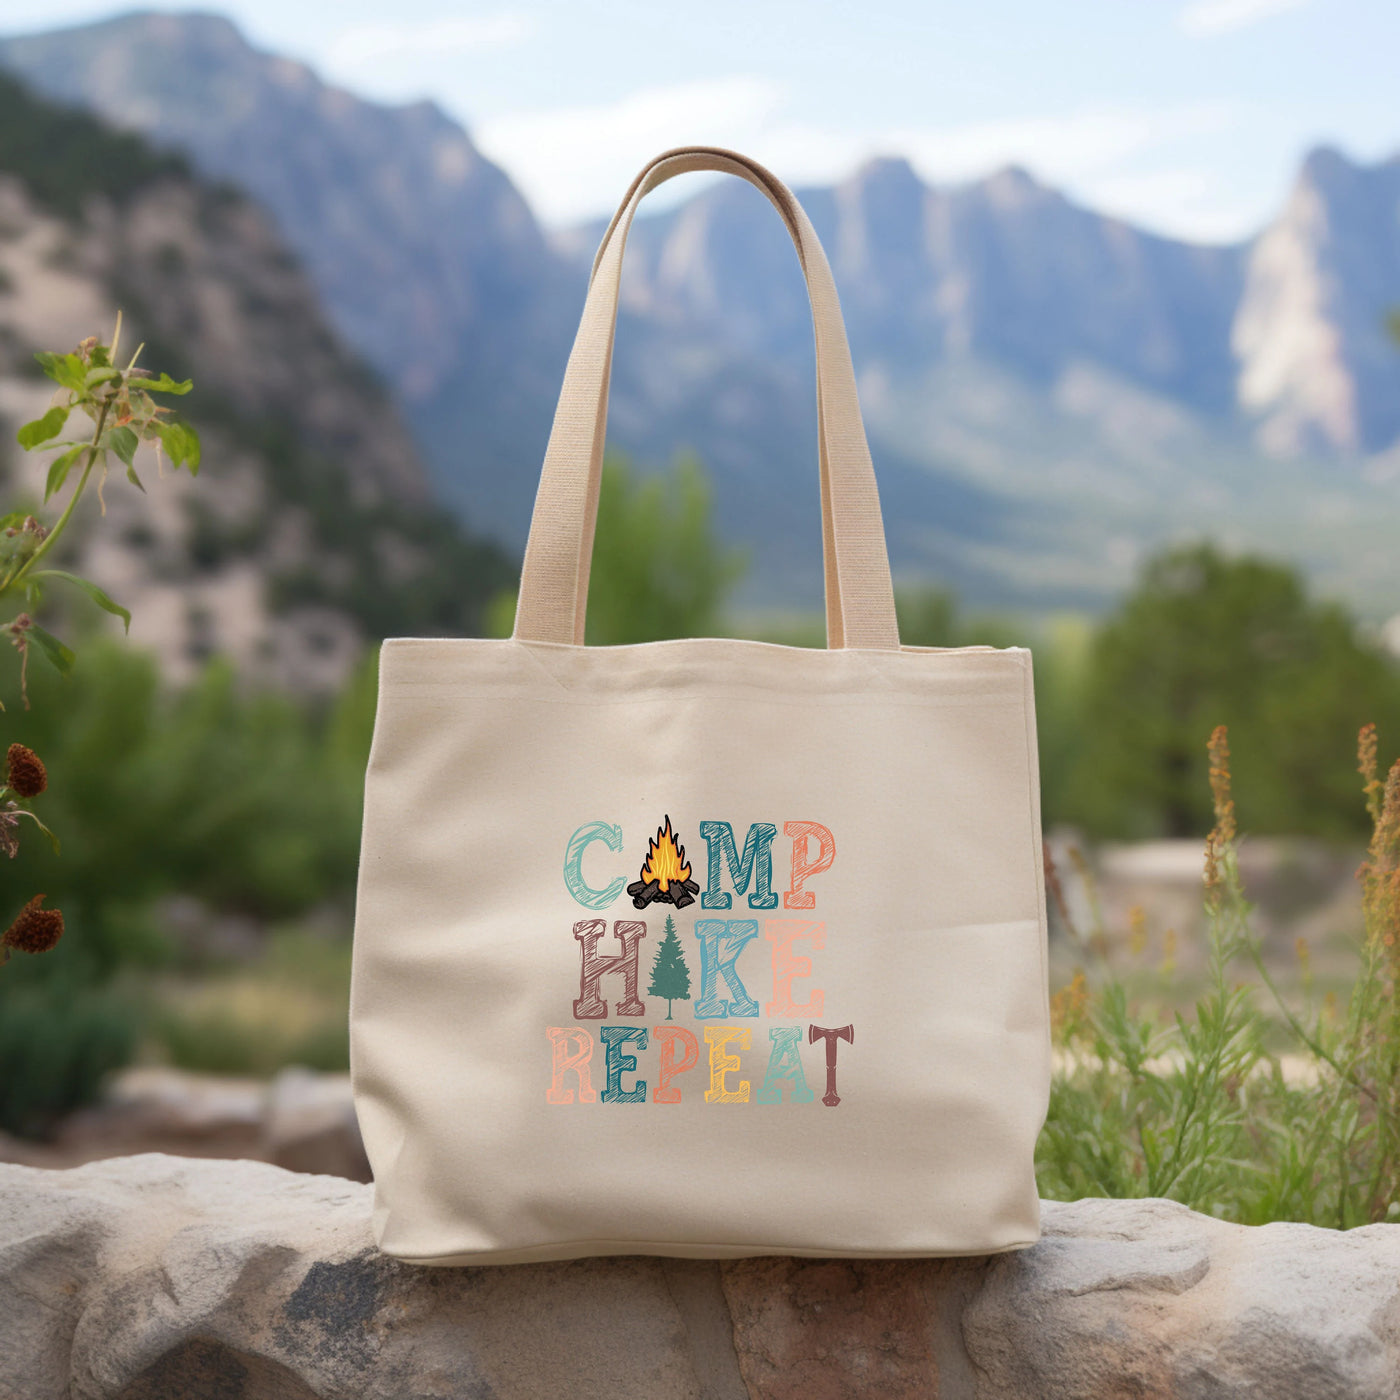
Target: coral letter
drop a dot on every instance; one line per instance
(815, 1033)
(785, 1062)
(668, 1037)
(590, 1006)
(721, 942)
(572, 1048)
(802, 868)
(611, 837)
(722, 1063)
(615, 1037)
(756, 864)
(782, 933)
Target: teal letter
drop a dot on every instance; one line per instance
(784, 1062)
(611, 836)
(615, 1037)
(721, 942)
(757, 864)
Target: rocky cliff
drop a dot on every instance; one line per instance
(1317, 366)
(310, 528)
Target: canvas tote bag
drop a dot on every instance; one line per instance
(706, 948)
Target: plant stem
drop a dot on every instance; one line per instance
(63, 519)
(1298, 1029)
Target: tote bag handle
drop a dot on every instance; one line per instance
(554, 579)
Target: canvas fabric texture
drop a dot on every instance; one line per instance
(702, 948)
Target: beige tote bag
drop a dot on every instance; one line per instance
(706, 948)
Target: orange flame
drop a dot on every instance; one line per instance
(665, 862)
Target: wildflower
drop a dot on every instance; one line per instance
(1224, 802)
(27, 776)
(33, 532)
(1366, 766)
(1380, 874)
(1137, 930)
(34, 930)
(1224, 831)
(1068, 1008)
(1168, 964)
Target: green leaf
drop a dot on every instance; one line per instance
(53, 840)
(123, 442)
(33, 593)
(166, 385)
(102, 600)
(134, 479)
(102, 374)
(13, 520)
(181, 442)
(42, 429)
(60, 656)
(101, 355)
(67, 370)
(59, 469)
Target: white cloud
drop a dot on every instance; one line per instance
(1205, 18)
(367, 44)
(574, 163)
(1183, 202)
(1085, 142)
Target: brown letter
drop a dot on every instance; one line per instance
(590, 1006)
(815, 1033)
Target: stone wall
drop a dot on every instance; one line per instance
(157, 1278)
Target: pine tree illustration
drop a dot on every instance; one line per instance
(670, 977)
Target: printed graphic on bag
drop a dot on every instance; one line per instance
(723, 995)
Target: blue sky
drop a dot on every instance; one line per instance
(1189, 116)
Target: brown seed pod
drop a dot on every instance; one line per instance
(27, 777)
(34, 930)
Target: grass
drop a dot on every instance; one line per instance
(1258, 1103)
(286, 1008)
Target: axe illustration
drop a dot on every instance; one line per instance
(815, 1033)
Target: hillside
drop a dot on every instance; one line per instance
(311, 527)
(425, 256)
(1050, 393)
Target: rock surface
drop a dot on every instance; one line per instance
(153, 1277)
(301, 1120)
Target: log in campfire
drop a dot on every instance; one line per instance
(665, 874)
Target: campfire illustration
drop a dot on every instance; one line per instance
(665, 874)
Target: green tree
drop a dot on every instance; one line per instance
(670, 977)
(659, 571)
(1206, 640)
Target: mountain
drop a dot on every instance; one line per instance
(1050, 392)
(1317, 367)
(426, 258)
(311, 527)
(1003, 270)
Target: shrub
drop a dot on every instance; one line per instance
(1206, 639)
(1199, 1110)
(57, 1043)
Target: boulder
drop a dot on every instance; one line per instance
(309, 1125)
(301, 1119)
(155, 1277)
